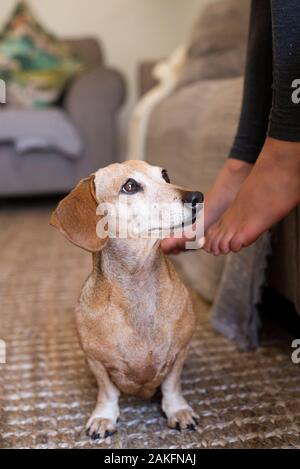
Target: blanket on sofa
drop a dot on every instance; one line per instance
(234, 312)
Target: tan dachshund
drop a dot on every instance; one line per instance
(135, 318)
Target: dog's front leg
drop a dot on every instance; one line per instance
(179, 414)
(103, 421)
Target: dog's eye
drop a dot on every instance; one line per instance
(165, 176)
(131, 187)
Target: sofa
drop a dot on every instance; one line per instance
(46, 151)
(190, 132)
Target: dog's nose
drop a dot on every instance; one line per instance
(192, 198)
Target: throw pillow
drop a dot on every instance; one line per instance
(35, 65)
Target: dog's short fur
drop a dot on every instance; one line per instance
(135, 318)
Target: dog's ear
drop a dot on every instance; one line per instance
(75, 216)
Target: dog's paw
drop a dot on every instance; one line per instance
(183, 419)
(98, 428)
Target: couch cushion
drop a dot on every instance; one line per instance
(36, 174)
(217, 48)
(190, 134)
(32, 130)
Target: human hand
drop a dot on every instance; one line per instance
(177, 245)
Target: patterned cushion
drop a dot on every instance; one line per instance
(35, 64)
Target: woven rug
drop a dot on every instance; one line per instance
(245, 400)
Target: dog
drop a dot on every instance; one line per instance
(134, 317)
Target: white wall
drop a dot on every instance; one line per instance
(130, 30)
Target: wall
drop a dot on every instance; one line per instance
(130, 30)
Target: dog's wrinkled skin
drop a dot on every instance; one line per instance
(135, 318)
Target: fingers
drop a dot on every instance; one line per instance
(177, 245)
(168, 245)
(173, 245)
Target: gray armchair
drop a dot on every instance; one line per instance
(87, 114)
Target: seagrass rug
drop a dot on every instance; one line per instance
(245, 400)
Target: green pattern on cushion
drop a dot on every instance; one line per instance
(34, 63)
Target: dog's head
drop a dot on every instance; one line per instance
(134, 190)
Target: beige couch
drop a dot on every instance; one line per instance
(191, 131)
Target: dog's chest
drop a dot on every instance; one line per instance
(135, 348)
(139, 336)
(141, 356)
(136, 331)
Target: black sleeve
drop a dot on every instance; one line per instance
(285, 113)
(257, 96)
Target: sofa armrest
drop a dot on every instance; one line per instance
(94, 91)
(92, 102)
